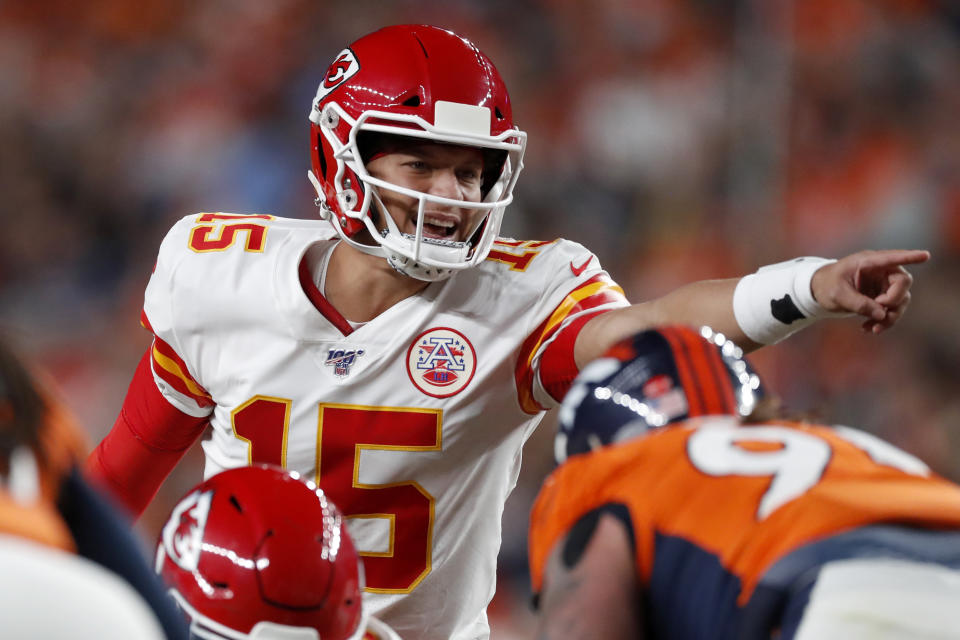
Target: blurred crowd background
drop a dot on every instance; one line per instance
(678, 139)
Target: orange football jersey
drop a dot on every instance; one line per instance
(739, 497)
(63, 446)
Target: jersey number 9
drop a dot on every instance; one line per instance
(795, 459)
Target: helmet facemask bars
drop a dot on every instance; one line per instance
(415, 254)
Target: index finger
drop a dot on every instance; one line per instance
(888, 257)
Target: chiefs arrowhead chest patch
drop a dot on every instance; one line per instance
(441, 362)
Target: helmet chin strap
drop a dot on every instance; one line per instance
(416, 270)
(321, 199)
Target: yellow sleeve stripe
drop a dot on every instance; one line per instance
(171, 367)
(564, 308)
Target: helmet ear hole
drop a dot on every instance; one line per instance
(329, 117)
(321, 156)
(348, 198)
(412, 101)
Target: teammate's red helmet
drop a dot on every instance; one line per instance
(257, 553)
(419, 82)
(652, 379)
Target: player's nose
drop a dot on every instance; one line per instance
(444, 183)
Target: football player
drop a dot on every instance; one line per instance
(71, 566)
(683, 508)
(257, 553)
(399, 350)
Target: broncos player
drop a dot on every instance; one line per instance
(683, 508)
(71, 566)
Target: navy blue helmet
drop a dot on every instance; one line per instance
(652, 379)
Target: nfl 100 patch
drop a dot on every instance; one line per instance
(441, 362)
(340, 360)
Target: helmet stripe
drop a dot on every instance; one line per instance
(721, 378)
(702, 372)
(685, 370)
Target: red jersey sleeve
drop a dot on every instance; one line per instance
(546, 357)
(148, 438)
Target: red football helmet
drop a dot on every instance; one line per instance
(257, 553)
(421, 82)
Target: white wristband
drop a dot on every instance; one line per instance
(776, 301)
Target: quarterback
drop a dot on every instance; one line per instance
(398, 352)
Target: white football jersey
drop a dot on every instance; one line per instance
(49, 593)
(413, 423)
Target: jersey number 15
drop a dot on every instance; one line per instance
(405, 506)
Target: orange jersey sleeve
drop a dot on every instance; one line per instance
(37, 521)
(63, 446)
(746, 495)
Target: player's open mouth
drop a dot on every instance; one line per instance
(440, 226)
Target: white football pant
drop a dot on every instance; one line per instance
(883, 599)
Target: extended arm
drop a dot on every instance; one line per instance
(872, 284)
(590, 589)
(148, 439)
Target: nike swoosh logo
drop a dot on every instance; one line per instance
(578, 270)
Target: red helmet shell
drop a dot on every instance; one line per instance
(401, 70)
(257, 544)
(408, 68)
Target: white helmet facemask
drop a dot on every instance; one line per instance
(415, 255)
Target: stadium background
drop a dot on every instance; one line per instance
(678, 139)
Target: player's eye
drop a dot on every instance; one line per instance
(469, 176)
